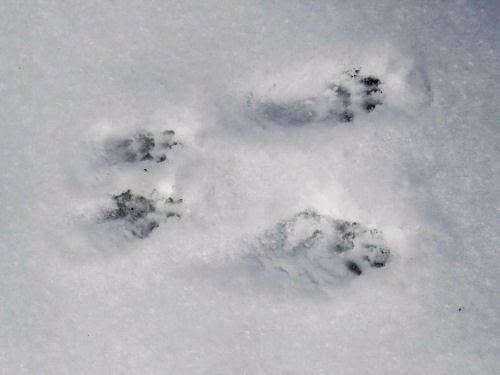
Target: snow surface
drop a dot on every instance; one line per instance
(80, 295)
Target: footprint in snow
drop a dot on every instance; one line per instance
(337, 102)
(315, 249)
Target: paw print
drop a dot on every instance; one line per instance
(140, 213)
(142, 146)
(317, 249)
(338, 102)
(371, 92)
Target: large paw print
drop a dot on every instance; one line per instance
(338, 102)
(317, 249)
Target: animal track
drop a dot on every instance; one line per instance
(315, 249)
(142, 146)
(337, 102)
(308, 247)
(142, 215)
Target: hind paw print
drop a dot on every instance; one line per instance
(338, 102)
(318, 249)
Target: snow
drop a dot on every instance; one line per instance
(81, 294)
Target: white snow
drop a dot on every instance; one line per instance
(78, 295)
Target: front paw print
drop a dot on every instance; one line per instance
(126, 159)
(142, 146)
(140, 214)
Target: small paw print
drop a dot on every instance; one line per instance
(142, 146)
(141, 214)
